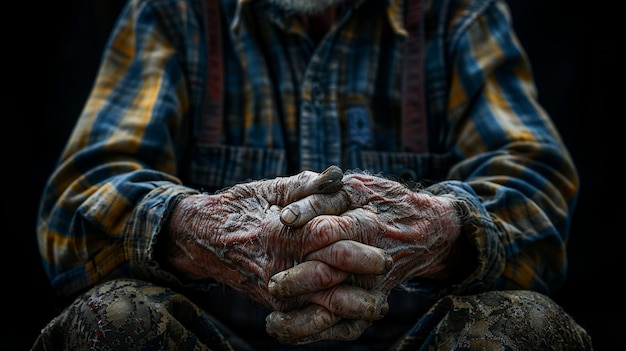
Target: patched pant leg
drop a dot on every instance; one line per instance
(132, 315)
(499, 320)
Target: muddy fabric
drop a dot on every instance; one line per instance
(135, 315)
(498, 320)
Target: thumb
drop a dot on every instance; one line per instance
(282, 191)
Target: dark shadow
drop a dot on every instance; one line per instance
(53, 69)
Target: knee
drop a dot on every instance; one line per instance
(127, 311)
(517, 319)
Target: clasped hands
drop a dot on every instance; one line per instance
(321, 250)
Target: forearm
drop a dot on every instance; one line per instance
(105, 202)
(514, 172)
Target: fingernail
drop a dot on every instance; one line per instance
(272, 288)
(288, 216)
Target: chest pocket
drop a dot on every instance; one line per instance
(218, 166)
(408, 168)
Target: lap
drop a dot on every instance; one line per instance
(132, 314)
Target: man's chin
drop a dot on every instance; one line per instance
(305, 6)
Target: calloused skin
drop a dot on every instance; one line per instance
(417, 229)
(322, 251)
(236, 236)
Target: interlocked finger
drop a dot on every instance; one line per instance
(304, 278)
(354, 257)
(328, 267)
(352, 302)
(312, 323)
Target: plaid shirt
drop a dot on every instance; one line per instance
(146, 135)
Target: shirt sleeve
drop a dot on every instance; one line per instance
(516, 176)
(107, 199)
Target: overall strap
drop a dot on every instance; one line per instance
(414, 128)
(211, 126)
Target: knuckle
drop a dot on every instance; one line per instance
(323, 232)
(342, 253)
(322, 275)
(321, 319)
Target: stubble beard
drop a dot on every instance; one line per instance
(305, 6)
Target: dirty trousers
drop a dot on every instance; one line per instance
(130, 314)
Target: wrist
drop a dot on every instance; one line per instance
(173, 249)
(444, 244)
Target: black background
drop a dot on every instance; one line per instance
(50, 54)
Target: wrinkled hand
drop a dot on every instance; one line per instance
(418, 229)
(236, 237)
